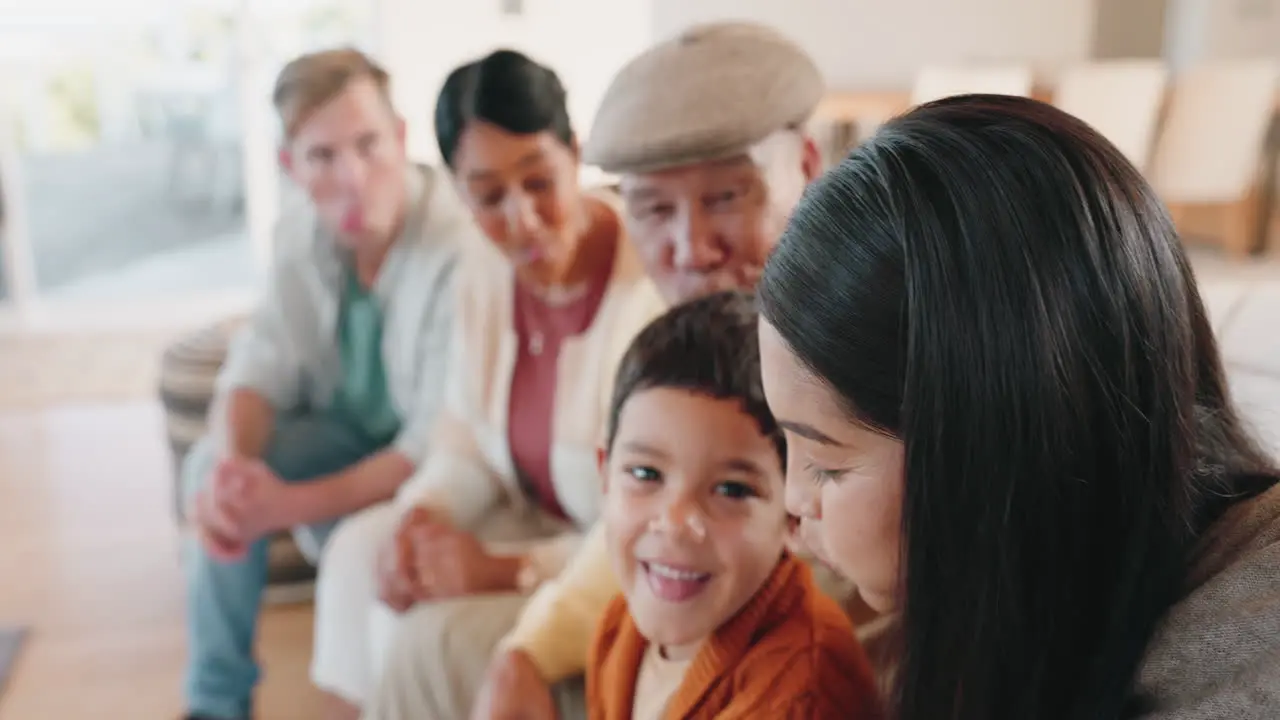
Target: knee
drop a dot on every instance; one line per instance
(349, 557)
(354, 543)
(197, 466)
(412, 645)
(455, 637)
(345, 594)
(437, 653)
(291, 457)
(196, 562)
(305, 447)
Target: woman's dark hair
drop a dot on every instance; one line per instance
(988, 280)
(706, 346)
(506, 89)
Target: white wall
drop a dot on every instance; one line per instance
(1130, 28)
(1184, 36)
(1243, 29)
(1201, 30)
(858, 44)
(585, 41)
(861, 44)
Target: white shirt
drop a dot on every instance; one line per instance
(656, 683)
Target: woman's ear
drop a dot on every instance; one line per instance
(602, 465)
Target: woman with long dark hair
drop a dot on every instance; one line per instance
(1008, 423)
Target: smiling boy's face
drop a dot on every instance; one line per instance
(693, 511)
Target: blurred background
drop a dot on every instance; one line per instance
(139, 185)
(126, 128)
(137, 141)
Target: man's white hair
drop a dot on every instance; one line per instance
(780, 157)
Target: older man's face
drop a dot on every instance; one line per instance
(707, 227)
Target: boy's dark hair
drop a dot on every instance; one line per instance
(706, 346)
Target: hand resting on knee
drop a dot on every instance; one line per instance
(430, 559)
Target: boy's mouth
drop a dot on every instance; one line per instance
(672, 583)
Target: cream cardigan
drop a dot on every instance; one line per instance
(469, 472)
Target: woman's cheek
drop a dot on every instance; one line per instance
(847, 528)
(862, 532)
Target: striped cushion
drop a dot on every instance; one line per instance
(188, 372)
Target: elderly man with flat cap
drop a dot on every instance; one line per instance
(706, 132)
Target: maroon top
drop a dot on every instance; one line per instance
(540, 330)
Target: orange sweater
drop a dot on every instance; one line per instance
(789, 653)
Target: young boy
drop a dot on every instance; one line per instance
(716, 618)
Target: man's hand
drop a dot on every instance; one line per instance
(216, 529)
(244, 501)
(514, 690)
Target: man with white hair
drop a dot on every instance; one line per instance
(706, 132)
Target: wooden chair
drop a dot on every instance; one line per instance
(939, 81)
(1121, 99)
(842, 120)
(1271, 188)
(836, 137)
(1209, 163)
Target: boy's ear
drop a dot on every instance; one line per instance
(602, 465)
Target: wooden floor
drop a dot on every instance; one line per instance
(89, 562)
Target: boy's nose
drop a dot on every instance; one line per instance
(680, 519)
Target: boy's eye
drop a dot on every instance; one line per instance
(644, 473)
(735, 490)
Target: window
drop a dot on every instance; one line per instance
(140, 130)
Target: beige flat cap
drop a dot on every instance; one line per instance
(710, 93)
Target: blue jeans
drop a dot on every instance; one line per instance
(224, 599)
